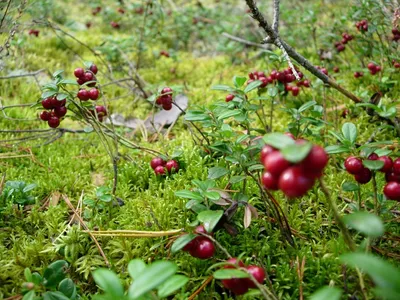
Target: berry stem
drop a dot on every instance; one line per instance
(376, 203)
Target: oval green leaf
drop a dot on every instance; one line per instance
(172, 285)
(366, 223)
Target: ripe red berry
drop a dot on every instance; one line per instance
(93, 68)
(364, 176)
(53, 122)
(172, 166)
(336, 69)
(60, 111)
(353, 165)
(79, 72)
(81, 81)
(160, 170)
(266, 149)
(295, 91)
(45, 115)
(392, 191)
(47, 103)
(101, 111)
(234, 261)
(57, 103)
(388, 163)
(289, 134)
(294, 183)
(114, 24)
(392, 176)
(396, 166)
(88, 76)
(258, 274)
(373, 156)
(316, 160)
(229, 97)
(306, 83)
(166, 90)
(93, 94)
(157, 161)
(269, 181)
(167, 106)
(275, 163)
(204, 248)
(83, 95)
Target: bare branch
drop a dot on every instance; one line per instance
(246, 42)
(22, 75)
(275, 22)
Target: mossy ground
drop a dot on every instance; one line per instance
(73, 165)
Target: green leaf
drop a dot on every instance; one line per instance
(349, 131)
(272, 91)
(136, 267)
(196, 116)
(88, 129)
(54, 273)
(210, 218)
(105, 198)
(229, 273)
(214, 196)
(373, 164)
(29, 295)
(278, 140)
(334, 149)
(29, 187)
(238, 81)
(229, 113)
(189, 195)
(58, 72)
(385, 275)
(69, 81)
(327, 293)
(387, 294)
(350, 186)
(252, 85)
(256, 167)
(306, 106)
(217, 172)
(36, 278)
(68, 288)
(171, 285)
(182, 241)
(154, 275)
(62, 96)
(48, 94)
(28, 275)
(296, 153)
(366, 223)
(236, 179)
(221, 87)
(54, 296)
(109, 282)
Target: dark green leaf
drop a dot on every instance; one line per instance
(171, 285)
(29, 296)
(69, 81)
(154, 275)
(230, 273)
(350, 187)
(229, 113)
(217, 172)
(58, 72)
(349, 131)
(36, 278)
(189, 195)
(48, 94)
(210, 218)
(306, 106)
(214, 196)
(296, 153)
(385, 275)
(252, 85)
(238, 81)
(109, 282)
(221, 87)
(255, 167)
(334, 149)
(366, 223)
(136, 267)
(68, 288)
(182, 241)
(278, 140)
(236, 179)
(54, 296)
(373, 164)
(54, 273)
(61, 96)
(327, 293)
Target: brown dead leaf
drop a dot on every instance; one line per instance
(98, 179)
(54, 198)
(247, 217)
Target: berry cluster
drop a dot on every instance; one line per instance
(240, 286)
(396, 34)
(164, 53)
(57, 111)
(84, 76)
(294, 180)
(161, 166)
(96, 10)
(358, 74)
(201, 246)
(362, 25)
(34, 32)
(340, 46)
(373, 69)
(165, 99)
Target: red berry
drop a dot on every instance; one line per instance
(392, 176)
(274, 74)
(88, 76)
(159, 170)
(275, 163)
(166, 90)
(295, 91)
(53, 122)
(364, 176)
(191, 245)
(371, 66)
(93, 94)
(234, 261)
(79, 72)
(336, 69)
(157, 161)
(316, 160)
(294, 183)
(45, 115)
(392, 191)
(289, 134)
(60, 111)
(266, 149)
(172, 166)
(93, 68)
(101, 111)
(373, 156)
(114, 24)
(288, 88)
(81, 81)
(396, 166)
(204, 249)
(167, 106)
(306, 83)
(269, 181)
(229, 97)
(388, 163)
(258, 274)
(57, 103)
(83, 95)
(47, 103)
(353, 165)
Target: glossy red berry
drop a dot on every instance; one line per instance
(93, 68)
(93, 94)
(53, 122)
(79, 72)
(364, 176)
(396, 166)
(204, 248)
(258, 274)
(269, 181)
(373, 156)
(157, 161)
(289, 134)
(316, 160)
(60, 111)
(57, 103)
(353, 165)
(392, 176)
(45, 115)
(160, 170)
(294, 182)
(47, 103)
(172, 166)
(388, 163)
(266, 149)
(392, 191)
(101, 111)
(295, 91)
(88, 76)
(275, 163)
(166, 90)
(233, 261)
(229, 97)
(83, 95)
(167, 106)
